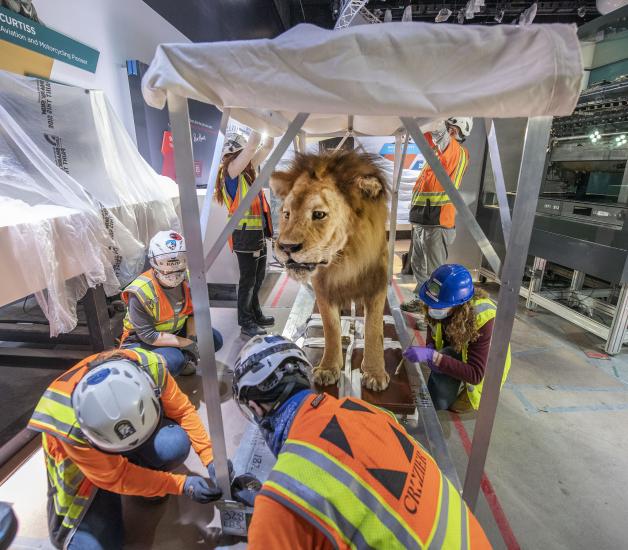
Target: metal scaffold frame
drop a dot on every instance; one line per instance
(511, 272)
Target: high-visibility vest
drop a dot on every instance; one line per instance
(485, 310)
(353, 472)
(151, 295)
(69, 491)
(428, 192)
(252, 219)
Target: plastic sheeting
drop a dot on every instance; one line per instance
(78, 204)
(377, 73)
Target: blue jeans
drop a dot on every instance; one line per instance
(102, 527)
(175, 358)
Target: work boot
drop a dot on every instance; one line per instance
(412, 306)
(264, 320)
(251, 329)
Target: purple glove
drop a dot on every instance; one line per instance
(419, 354)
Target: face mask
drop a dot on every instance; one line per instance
(439, 314)
(170, 280)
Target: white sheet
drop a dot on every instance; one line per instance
(376, 72)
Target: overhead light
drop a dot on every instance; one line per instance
(443, 15)
(469, 10)
(407, 14)
(499, 15)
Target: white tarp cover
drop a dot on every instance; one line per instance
(78, 203)
(377, 73)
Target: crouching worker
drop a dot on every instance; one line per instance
(460, 326)
(347, 475)
(112, 425)
(160, 315)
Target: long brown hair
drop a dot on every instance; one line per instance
(249, 174)
(460, 326)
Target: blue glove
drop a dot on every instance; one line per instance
(245, 488)
(420, 354)
(211, 470)
(199, 490)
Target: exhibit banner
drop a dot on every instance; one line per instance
(29, 33)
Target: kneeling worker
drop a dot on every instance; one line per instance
(114, 425)
(160, 307)
(347, 474)
(460, 326)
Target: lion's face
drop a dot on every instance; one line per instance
(317, 214)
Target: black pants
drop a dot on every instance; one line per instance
(444, 389)
(252, 273)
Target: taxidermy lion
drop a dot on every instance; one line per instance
(333, 231)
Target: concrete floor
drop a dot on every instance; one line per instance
(555, 474)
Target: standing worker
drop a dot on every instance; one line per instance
(115, 424)
(160, 307)
(347, 475)
(460, 326)
(237, 172)
(432, 214)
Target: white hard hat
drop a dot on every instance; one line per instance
(463, 123)
(116, 405)
(166, 252)
(268, 370)
(234, 142)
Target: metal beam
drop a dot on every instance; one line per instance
(184, 162)
(97, 318)
(462, 209)
(528, 185)
(262, 179)
(498, 177)
(213, 172)
(348, 12)
(617, 332)
(536, 281)
(400, 156)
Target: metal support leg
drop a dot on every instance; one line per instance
(620, 322)
(97, 317)
(498, 176)
(184, 162)
(462, 209)
(400, 155)
(217, 157)
(529, 183)
(257, 186)
(536, 281)
(577, 282)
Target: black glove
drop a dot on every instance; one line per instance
(245, 488)
(211, 470)
(199, 490)
(191, 351)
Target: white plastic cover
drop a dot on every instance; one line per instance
(78, 204)
(377, 73)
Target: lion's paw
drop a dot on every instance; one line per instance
(324, 376)
(375, 381)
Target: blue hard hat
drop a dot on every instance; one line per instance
(450, 285)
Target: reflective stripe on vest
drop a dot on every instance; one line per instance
(485, 310)
(151, 295)
(70, 490)
(252, 218)
(358, 477)
(429, 190)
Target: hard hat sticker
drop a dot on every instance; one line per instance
(98, 377)
(124, 429)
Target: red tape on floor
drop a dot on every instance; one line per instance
(487, 488)
(282, 287)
